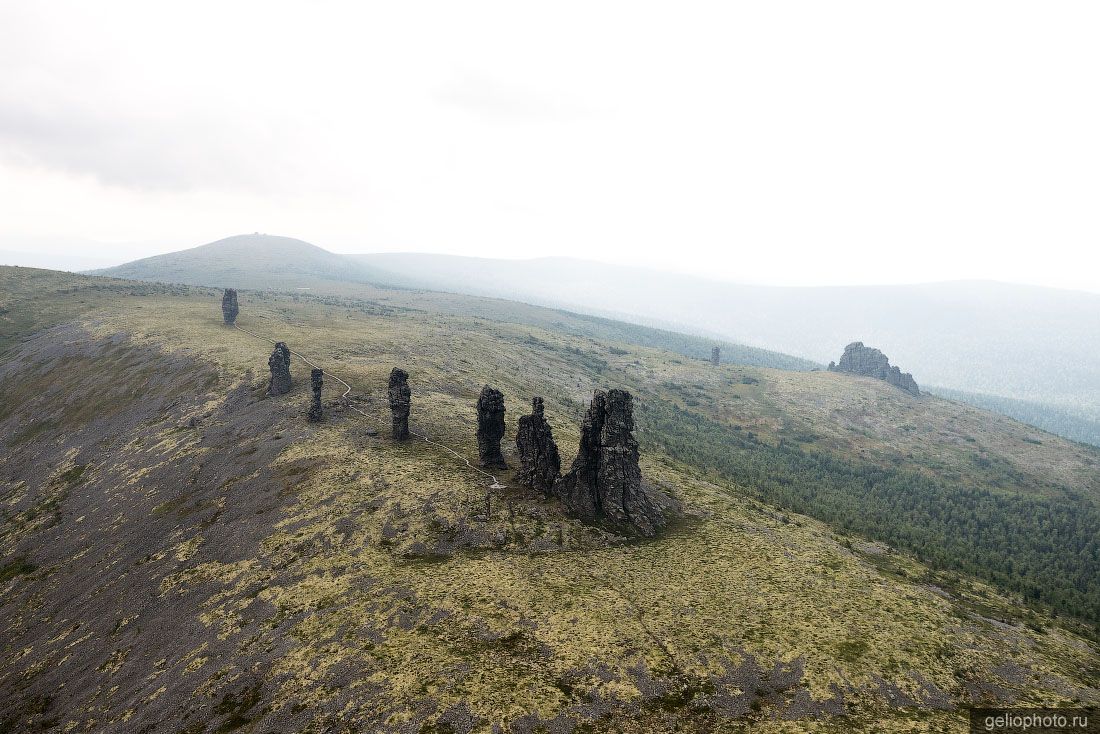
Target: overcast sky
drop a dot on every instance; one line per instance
(781, 142)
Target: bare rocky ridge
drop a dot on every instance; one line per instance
(279, 364)
(400, 402)
(490, 428)
(230, 308)
(604, 485)
(96, 584)
(869, 362)
(316, 381)
(540, 464)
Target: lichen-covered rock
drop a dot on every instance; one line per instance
(604, 485)
(230, 309)
(400, 402)
(316, 381)
(490, 428)
(540, 465)
(715, 356)
(869, 362)
(279, 364)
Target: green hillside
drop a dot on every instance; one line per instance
(1031, 343)
(265, 262)
(1022, 351)
(186, 554)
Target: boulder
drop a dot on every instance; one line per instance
(230, 309)
(279, 364)
(316, 381)
(400, 402)
(540, 465)
(869, 362)
(604, 485)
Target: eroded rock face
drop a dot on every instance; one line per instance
(316, 381)
(540, 465)
(279, 364)
(490, 427)
(715, 356)
(604, 485)
(400, 401)
(860, 360)
(230, 309)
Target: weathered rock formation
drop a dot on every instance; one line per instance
(715, 356)
(870, 362)
(400, 401)
(316, 380)
(605, 485)
(230, 309)
(279, 364)
(540, 465)
(490, 427)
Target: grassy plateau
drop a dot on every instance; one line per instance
(181, 553)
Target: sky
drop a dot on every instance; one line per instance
(772, 142)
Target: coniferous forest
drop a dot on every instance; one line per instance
(1042, 546)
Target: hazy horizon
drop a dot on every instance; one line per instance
(83, 256)
(852, 143)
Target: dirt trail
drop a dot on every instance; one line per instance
(347, 391)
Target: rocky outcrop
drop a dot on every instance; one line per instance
(715, 356)
(604, 485)
(279, 364)
(490, 427)
(316, 381)
(230, 309)
(540, 465)
(869, 362)
(400, 401)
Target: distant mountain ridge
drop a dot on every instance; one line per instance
(250, 261)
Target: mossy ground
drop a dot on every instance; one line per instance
(375, 593)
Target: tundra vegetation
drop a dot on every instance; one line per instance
(183, 551)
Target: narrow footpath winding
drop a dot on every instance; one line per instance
(347, 391)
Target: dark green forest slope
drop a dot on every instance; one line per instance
(1044, 547)
(1048, 417)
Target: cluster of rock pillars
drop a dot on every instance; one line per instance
(604, 485)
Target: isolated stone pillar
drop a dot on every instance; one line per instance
(605, 484)
(230, 309)
(490, 427)
(279, 364)
(715, 356)
(400, 401)
(540, 464)
(316, 381)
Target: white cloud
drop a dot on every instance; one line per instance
(791, 142)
